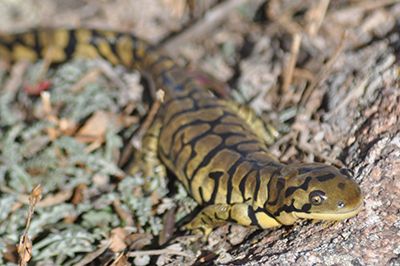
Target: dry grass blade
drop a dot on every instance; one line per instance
(111, 74)
(169, 226)
(282, 19)
(91, 76)
(121, 260)
(316, 16)
(25, 244)
(16, 77)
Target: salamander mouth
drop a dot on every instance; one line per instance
(330, 216)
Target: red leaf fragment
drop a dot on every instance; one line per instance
(36, 89)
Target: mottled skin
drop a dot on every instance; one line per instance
(216, 148)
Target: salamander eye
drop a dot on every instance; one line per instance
(317, 197)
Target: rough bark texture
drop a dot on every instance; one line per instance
(370, 129)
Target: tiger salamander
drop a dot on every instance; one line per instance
(215, 148)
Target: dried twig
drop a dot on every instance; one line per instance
(367, 5)
(294, 52)
(165, 251)
(304, 146)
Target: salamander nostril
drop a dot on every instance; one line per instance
(340, 204)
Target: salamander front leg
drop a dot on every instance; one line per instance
(210, 217)
(218, 214)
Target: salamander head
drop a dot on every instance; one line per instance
(318, 191)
